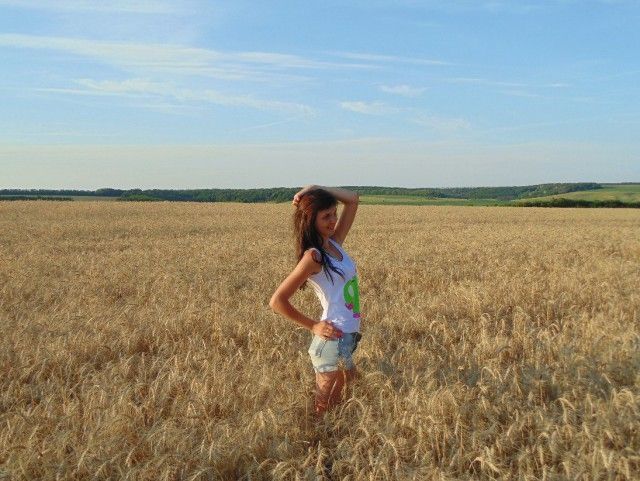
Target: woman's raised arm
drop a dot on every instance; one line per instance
(350, 200)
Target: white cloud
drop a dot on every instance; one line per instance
(124, 54)
(135, 86)
(110, 6)
(268, 124)
(404, 90)
(519, 7)
(388, 58)
(178, 59)
(514, 89)
(368, 108)
(483, 81)
(147, 88)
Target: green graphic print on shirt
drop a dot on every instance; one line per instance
(352, 296)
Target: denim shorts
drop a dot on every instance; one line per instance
(326, 354)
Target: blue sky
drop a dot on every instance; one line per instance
(195, 94)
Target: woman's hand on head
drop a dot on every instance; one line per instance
(326, 330)
(301, 192)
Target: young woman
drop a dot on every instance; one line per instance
(323, 263)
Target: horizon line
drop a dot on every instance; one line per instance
(341, 186)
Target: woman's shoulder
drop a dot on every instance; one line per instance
(313, 259)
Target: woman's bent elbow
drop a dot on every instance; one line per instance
(274, 303)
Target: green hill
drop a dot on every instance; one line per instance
(621, 192)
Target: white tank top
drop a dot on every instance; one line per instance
(341, 299)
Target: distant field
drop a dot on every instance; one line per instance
(418, 200)
(624, 193)
(74, 197)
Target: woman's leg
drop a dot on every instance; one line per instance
(332, 387)
(325, 388)
(335, 397)
(324, 357)
(346, 348)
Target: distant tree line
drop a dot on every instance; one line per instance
(213, 195)
(34, 197)
(497, 193)
(68, 192)
(564, 202)
(285, 194)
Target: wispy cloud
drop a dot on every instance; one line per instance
(268, 124)
(124, 6)
(404, 90)
(367, 108)
(179, 59)
(514, 89)
(171, 108)
(484, 81)
(466, 6)
(142, 88)
(370, 57)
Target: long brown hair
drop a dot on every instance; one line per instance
(304, 228)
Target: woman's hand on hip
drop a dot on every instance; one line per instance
(326, 330)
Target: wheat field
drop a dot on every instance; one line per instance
(137, 344)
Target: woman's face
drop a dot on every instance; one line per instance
(326, 221)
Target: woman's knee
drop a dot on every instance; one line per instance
(326, 380)
(339, 376)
